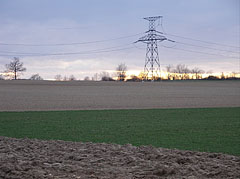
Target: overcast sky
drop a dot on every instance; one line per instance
(49, 22)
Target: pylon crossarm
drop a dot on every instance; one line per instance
(152, 18)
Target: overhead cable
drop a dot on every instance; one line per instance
(68, 53)
(203, 41)
(194, 51)
(69, 44)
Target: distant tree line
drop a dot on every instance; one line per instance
(180, 72)
(65, 78)
(36, 77)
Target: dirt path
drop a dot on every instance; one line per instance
(25, 95)
(25, 158)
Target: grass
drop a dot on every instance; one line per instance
(205, 129)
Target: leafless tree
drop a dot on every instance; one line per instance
(58, 77)
(72, 78)
(134, 78)
(197, 72)
(65, 78)
(86, 78)
(15, 67)
(183, 70)
(169, 69)
(223, 76)
(95, 77)
(121, 71)
(234, 74)
(105, 76)
(36, 77)
(142, 76)
(209, 72)
(2, 77)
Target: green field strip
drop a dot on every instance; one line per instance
(201, 129)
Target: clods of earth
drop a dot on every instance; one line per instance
(32, 158)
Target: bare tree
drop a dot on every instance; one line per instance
(121, 71)
(36, 77)
(183, 70)
(72, 78)
(1, 77)
(209, 72)
(95, 77)
(142, 76)
(105, 76)
(169, 69)
(65, 78)
(223, 76)
(15, 67)
(134, 78)
(87, 78)
(197, 72)
(58, 77)
(233, 74)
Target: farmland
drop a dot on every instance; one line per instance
(182, 120)
(25, 95)
(208, 130)
(107, 112)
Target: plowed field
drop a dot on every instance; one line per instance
(25, 158)
(25, 95)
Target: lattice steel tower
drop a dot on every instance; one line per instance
(152, 64)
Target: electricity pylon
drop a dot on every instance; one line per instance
(152, 64)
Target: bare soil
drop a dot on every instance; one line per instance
(26, 95)
(25, 158)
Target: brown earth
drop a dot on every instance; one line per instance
(25, 158)
(26, 95)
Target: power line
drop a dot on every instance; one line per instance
(206, 47)
(102, 50)
(71, 53)
(201, 41)
(38, 53)
(74, 43)
(200, 52)
(111, 49)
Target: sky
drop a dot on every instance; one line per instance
(36, 30)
